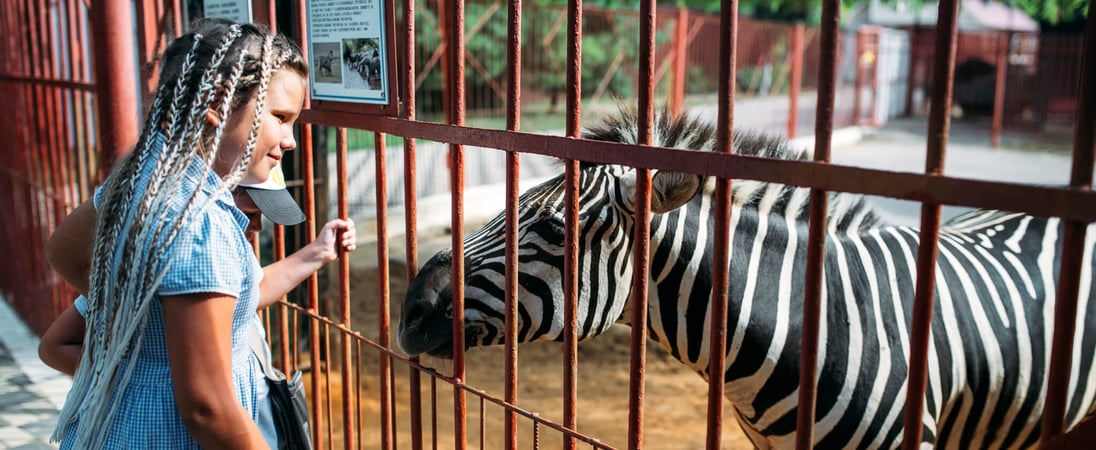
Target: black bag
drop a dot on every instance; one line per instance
(290, 408)
(288, 404)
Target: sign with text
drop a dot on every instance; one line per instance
(238, 11)
(349, 47)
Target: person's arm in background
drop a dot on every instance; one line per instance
(279, 278)
(198, 329)
(68, 251)
(63, 341)
(69, 247)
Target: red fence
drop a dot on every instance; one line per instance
(364, 392)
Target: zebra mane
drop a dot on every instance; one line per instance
(848, 212)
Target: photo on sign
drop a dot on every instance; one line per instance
(326, 58)
(362, 58)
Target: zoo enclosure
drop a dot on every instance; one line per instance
(61, 149)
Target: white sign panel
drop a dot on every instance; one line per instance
(348, 51)
(238, 11)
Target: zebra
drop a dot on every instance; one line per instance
(991, 328)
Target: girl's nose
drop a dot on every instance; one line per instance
(288, 141)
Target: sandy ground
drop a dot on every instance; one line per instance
(675, 403)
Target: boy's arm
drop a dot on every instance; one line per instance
(69, 247)
(63, 341)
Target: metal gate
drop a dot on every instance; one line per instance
(54, 134)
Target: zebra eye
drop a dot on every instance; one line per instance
(549, 229)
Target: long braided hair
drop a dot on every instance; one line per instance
(221, 67)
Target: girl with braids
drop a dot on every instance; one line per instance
(173, 285)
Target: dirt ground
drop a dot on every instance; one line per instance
(675, 397)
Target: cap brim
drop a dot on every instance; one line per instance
(276, 205)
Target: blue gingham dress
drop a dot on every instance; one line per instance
(213, 256)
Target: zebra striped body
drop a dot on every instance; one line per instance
(991, 329)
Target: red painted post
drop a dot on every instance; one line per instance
(999, 87)
(681, 56)
(796, 79)
(859, 72)
(116, 102)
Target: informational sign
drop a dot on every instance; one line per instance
(349, 51)
(238, 11)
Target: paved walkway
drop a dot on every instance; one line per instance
(30, 393)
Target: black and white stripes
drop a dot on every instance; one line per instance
(991, 329)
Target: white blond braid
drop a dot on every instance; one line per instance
(129, 263)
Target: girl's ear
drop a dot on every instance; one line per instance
(213, 117)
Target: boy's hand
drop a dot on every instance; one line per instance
(334, 238)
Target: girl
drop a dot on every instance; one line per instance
(173, 282)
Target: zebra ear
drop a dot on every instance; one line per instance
(671, 190)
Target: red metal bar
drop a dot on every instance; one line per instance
(717, 356)
(41, 151)
(114, 78)
(151, 33)
(570, 252)
(1073, 238)
(999, 87)
(796, 78)
(309, 209)
(384, 313)
(283, 317)
(858, 71)
(642, 231)
(456, 153)
(410, 203)
(349, 433)
(681, 56)
(816, 243)
(513, 175)
(177, 17)
(924, 290)
(271, 15)
(326, 372)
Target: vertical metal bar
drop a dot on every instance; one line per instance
(795, 81)
(383, 306)
(39, 162)
(924, 290)
(513, 175)
(571, 195)
(349, 433)
(283, 317)
(150, 26)
(79, 184)
(309, 208)
(456, 153)
(434, 412)
(728, 37)
(816, 243)
(114, 80)
(177, 17)
(410, 205)
(1073, 238)
(999, 87)
(642, 231)
(681, 57)
(328, 404)
(858, 71)
(271, 15)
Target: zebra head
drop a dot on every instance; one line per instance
(605, 226)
